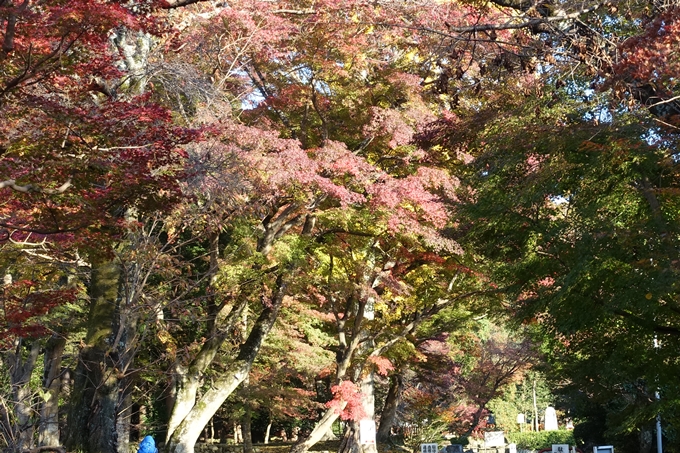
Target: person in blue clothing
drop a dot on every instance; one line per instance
(147, 446)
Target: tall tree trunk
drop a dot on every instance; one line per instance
(188, 379)
(102, 378)
(346, 350)
(388, 416)
(92, 414)
(267, 432)
(48, 429)
(353, 441)
(535, 421)
(5, 420)
(21, 363)
(246, 426)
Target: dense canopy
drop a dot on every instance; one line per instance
(248, 219)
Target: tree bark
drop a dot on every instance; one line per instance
(21, 363)
(123, 426)
(246, 426)
(320, 429)
(267, 432)
(535, 421)
(48, 429)
(388, 416)
(102, 378)
(353, 442)
(346, 352)
(188, 380)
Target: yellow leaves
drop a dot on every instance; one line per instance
(648, 296)
(412, 55)
(390, 312)
(45, 395)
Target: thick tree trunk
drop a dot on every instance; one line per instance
(92, 414)
(353, 441)
(102, 381)
(388, 416)
(48, 429)
(350, 439)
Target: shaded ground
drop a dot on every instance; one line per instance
(279, 447)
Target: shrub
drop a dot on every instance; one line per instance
(541, 439)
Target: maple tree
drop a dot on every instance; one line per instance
(81, 149)
(575, 209)
(300, 185)
(572, 195)
(203, 166)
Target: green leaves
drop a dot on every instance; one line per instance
(576, 218)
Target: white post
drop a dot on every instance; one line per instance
(659, 448)
(535, 407)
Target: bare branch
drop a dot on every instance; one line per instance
(29, 188)
(180, 3)
(297, 12)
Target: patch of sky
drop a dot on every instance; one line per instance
(252, 100)
(301, 74)
(560, 200)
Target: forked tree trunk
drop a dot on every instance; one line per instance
(184, 437)
(347, 347)
(187, 379)
(187, 423)
(352, 442)
(350, 439)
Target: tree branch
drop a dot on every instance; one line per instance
(297, 12)
(344, 231)
(178, 4)
(31, 188)
(646, 323)
(510, 25)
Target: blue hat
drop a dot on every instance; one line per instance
(147, 446)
